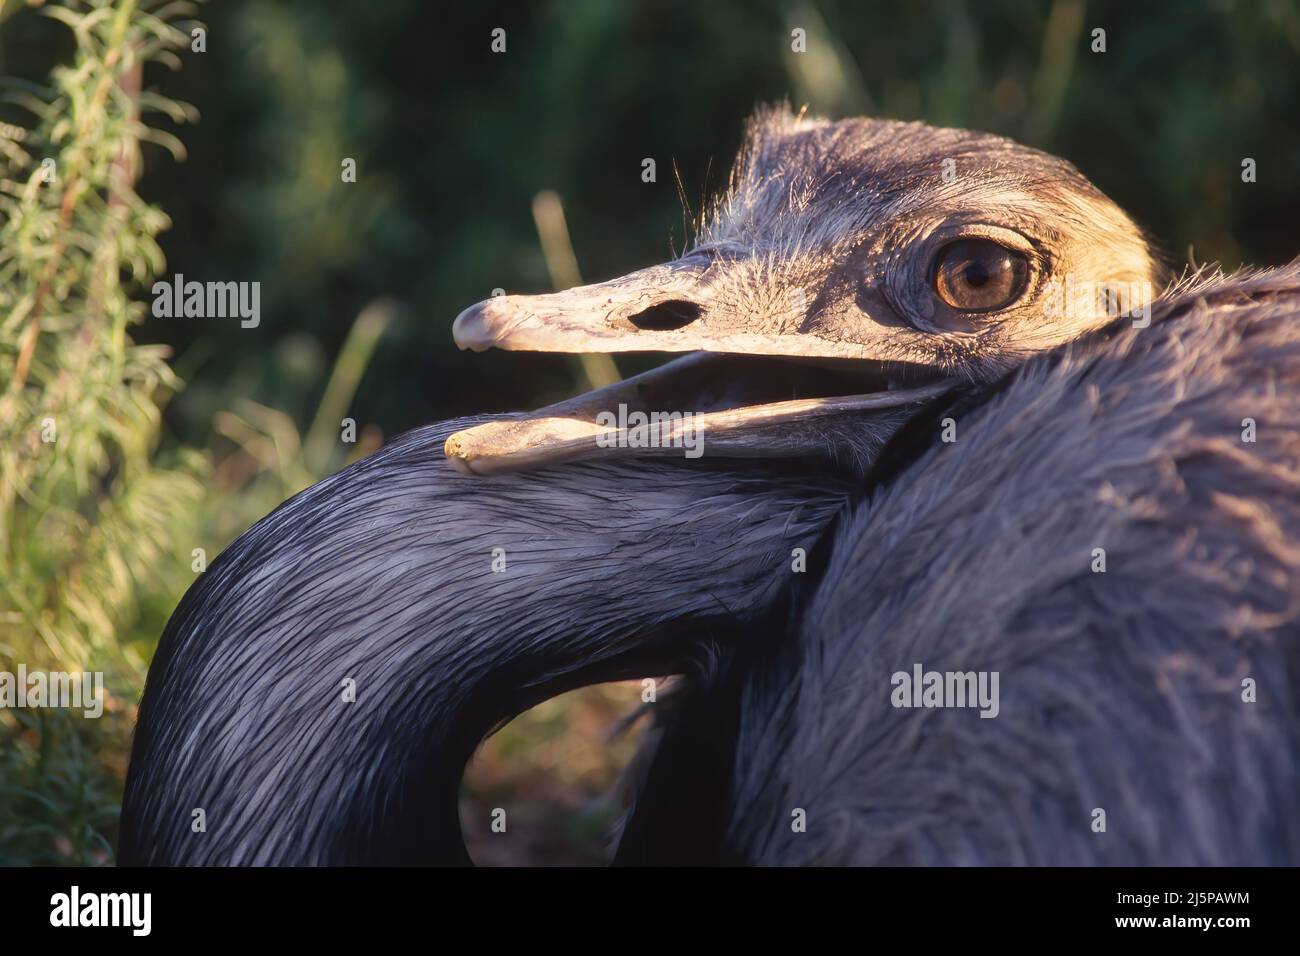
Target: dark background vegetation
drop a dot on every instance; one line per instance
(453, 142)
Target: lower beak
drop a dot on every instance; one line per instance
(629, 419)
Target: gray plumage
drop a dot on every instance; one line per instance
(382, 574)
(1119, 690)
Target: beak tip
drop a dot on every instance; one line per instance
(470, 330)
(457, 455)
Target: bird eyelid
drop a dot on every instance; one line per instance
(1013, 239)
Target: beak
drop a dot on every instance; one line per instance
(771, 389)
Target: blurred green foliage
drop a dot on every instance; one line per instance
(452, 144)
(92, 514)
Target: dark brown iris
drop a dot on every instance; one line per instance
(979, 275)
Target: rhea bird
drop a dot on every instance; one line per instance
(1163, 694)
(317, 693)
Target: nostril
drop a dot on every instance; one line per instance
(666, 316)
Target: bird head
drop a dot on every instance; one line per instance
(851, 270)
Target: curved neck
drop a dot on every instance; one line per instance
(318, 692)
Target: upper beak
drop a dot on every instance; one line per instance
(736, 409)
(682, 306)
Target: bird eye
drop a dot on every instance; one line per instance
(979, 275)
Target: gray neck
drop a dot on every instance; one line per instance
(381, 578)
